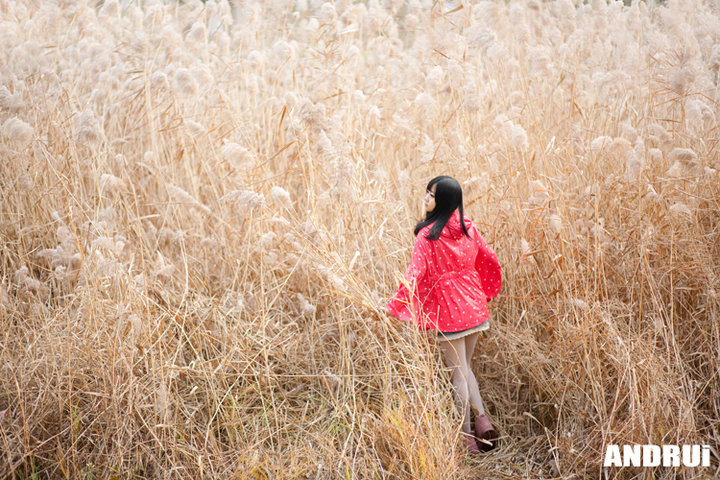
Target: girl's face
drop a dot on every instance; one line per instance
(429, 202)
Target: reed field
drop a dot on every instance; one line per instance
(206, 206)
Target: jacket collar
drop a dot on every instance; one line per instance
(455, 217)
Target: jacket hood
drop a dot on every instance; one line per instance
(453, 227)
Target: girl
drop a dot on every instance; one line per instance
(452, 276)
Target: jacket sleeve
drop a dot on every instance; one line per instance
(402, 305)
(488, 266)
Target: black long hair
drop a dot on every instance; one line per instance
(448, 197)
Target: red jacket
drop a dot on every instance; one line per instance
(452, 279)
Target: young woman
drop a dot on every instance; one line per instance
(452, 276)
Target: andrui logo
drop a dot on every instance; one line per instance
(657, 455)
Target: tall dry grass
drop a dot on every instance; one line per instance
(204, 209)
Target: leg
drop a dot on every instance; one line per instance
(453, 354)
(487, 436)
(473, 390)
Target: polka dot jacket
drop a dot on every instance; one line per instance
(452, 279)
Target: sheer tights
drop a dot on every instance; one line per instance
(457, 356)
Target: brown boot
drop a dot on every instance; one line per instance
(485, 433)
(472, 446)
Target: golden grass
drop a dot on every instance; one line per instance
(152, 327)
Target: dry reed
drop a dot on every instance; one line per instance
(205, 208)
